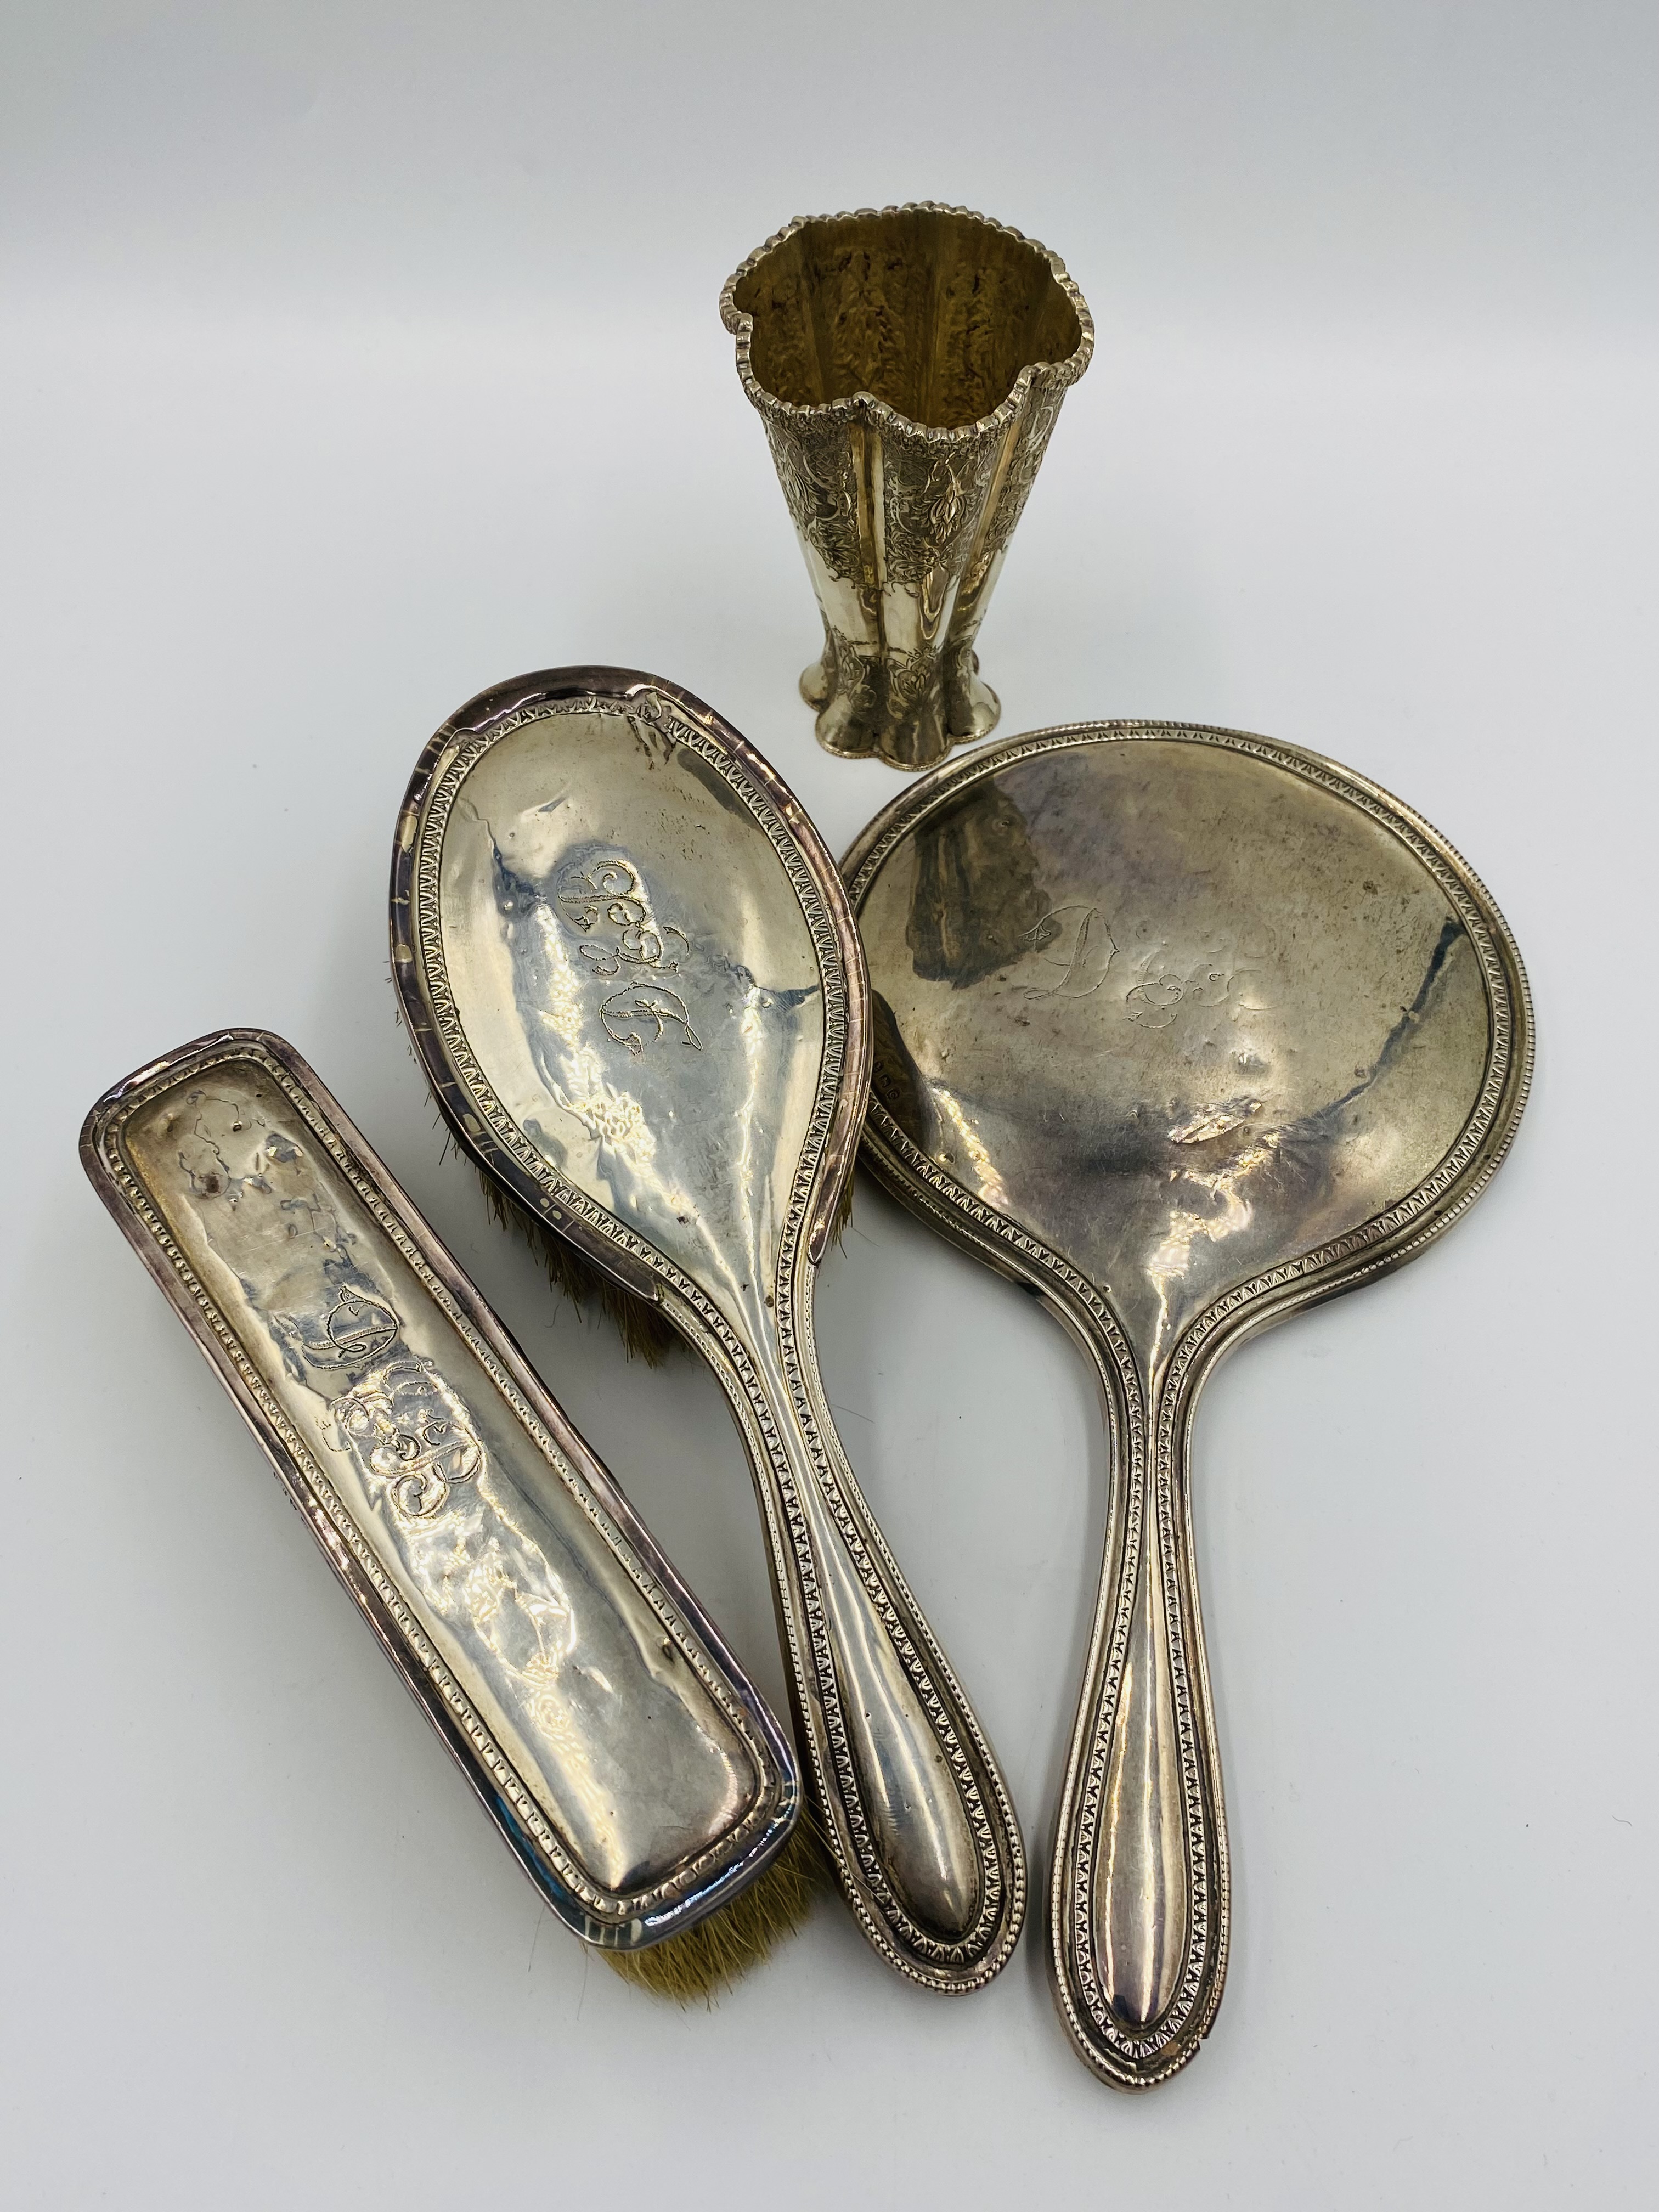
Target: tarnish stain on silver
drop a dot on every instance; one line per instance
(635, 1772)
(1215, 1121)
(651, 997)
(1185, 1030)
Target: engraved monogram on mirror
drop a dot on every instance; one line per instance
(1082, 944)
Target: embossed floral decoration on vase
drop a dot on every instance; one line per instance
(909, 365)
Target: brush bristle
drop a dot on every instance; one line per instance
(694, 1967)
(641, 1327)
(844, 1207)
(644, 1331)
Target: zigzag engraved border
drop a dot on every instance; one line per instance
(1434, 1205)
(603, 1906)
(979, 1945)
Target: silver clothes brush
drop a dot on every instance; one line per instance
(630, 1766)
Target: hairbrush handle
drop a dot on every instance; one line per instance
(916, 1814)
(1138, 1902)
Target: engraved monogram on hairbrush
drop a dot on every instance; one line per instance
(702, 1168)
(606, 906)
(544, 1635)
(1186, 1029)
(909, 365)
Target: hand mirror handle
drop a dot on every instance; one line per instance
(1139, 1898)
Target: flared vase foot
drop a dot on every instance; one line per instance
(955, 709)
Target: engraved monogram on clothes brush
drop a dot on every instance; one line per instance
(410, 1428)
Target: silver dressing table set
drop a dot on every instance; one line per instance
(1178, 1027)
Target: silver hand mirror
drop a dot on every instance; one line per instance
(631, 972)
(1184, 1030)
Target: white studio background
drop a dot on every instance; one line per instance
(355, 356)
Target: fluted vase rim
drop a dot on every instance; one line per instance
(866, 405)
